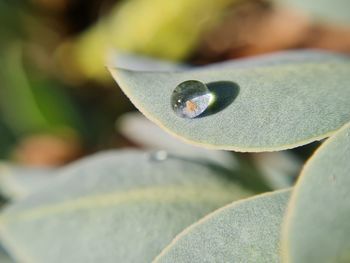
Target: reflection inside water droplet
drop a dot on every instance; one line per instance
(158, 156)
(191, 98)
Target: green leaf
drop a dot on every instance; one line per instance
(244, 231)
(115, 207)
(4, 257)
(332, 10)
(279, 168)
(317, 227)
(28, 101)
(143, 132)
(18, 182)
(283, 101)
(7, 140)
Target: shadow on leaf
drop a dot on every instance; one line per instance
(224, 93)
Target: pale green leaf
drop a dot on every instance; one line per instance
(4, 257)
(143, 132)
(18, 182)
(317, 227)
(264, 104)
(115, 207)
(279, 168)
(246, 231)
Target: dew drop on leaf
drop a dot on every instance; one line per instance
(190, 99)
(158, 156)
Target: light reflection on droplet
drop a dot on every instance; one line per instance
(190, 99)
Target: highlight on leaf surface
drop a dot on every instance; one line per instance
(115, 207)
(263, 104)
(244, 231)
(317, 225)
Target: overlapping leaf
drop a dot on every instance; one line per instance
(143, 132)
(115, 207)
(244, 231)
(4, 257)
(317, 227)
(18, 182)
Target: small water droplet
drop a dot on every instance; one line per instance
(158, 156)
(190, 98)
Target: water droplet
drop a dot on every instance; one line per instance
(158, 156)
(190, 98)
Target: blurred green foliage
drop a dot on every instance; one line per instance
(39, 93)
(34, 97)
(164, 29)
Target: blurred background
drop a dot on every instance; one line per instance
(57, 99)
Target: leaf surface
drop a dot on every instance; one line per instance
(143, 132)
(245, 231)
(4, 257)
(17, 182)
(114, 207)
(262, 104)
(317, 226)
